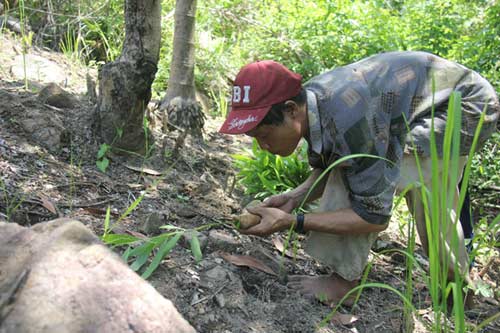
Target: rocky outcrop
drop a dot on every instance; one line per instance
(58, 277)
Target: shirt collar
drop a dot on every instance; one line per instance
(314, 123)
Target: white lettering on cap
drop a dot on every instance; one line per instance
(240, 122)
(237, 94)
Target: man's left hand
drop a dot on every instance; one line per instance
(272, 220)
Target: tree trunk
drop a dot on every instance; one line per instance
(125, 84)
(180, 102)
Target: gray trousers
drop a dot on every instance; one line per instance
(347, 254)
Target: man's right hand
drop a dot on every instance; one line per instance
(284, 201)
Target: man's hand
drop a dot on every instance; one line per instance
(284, 201)
(272, 220)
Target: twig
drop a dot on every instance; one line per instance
(493, 187)
(210, 296)
(491, 205)
(486, 267)
(75, 184)
(65, 204)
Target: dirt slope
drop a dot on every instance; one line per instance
(47, 169)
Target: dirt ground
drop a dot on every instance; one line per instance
(48, 169)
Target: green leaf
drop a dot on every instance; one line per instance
(102, 164)
(195, 248)
(165, 248)
(106, 220)
(132, 207)
(142, 255)
(103, 149)
(119, 239)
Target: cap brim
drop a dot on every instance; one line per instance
(240, 121)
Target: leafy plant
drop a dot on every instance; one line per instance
(263, 174)
(102, 161)
(139, 250)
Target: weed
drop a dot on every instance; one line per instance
(11, 204)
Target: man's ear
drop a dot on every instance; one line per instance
(292, 108)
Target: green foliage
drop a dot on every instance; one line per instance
(140, 250)
(86, 30)
(263, 174)
(102, 161)
(486, 165)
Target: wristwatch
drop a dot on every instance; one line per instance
(299, 226)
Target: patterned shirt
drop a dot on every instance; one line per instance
(368, 106)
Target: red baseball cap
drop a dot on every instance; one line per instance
(257, 87)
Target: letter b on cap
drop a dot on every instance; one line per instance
(237, 94)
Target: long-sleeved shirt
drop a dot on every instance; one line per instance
(368, 106)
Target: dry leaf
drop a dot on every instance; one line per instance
(344, 318)
(47, 204)
(99, 211)
(143, 170)
(278, 243)
(136, 234)
(247, 261)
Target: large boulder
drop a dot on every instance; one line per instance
(58, 277)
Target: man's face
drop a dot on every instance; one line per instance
(279, 139)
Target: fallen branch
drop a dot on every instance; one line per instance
(209, 296)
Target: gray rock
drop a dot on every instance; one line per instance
(152, 223)
(220, 300)
(223, 240)
(54, 95)
(58, 277)
(214, 277)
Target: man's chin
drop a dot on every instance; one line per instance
(285, 154)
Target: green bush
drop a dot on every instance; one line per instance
(263, 174)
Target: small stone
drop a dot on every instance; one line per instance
(152, 224)
(186, 212)
(220, 300)
(223, 240)
(214, 277)
(54, 95)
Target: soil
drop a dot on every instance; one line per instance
(48, 169)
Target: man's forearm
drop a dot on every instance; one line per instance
(342, 221)
(300, 192)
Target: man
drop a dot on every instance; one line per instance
(365, 107)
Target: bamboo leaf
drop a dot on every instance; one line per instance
(142, 253)
(195, 248)
(118, 239)
(132, 207)
(106, 221)
(165, 248)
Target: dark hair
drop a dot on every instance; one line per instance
(275, 116)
